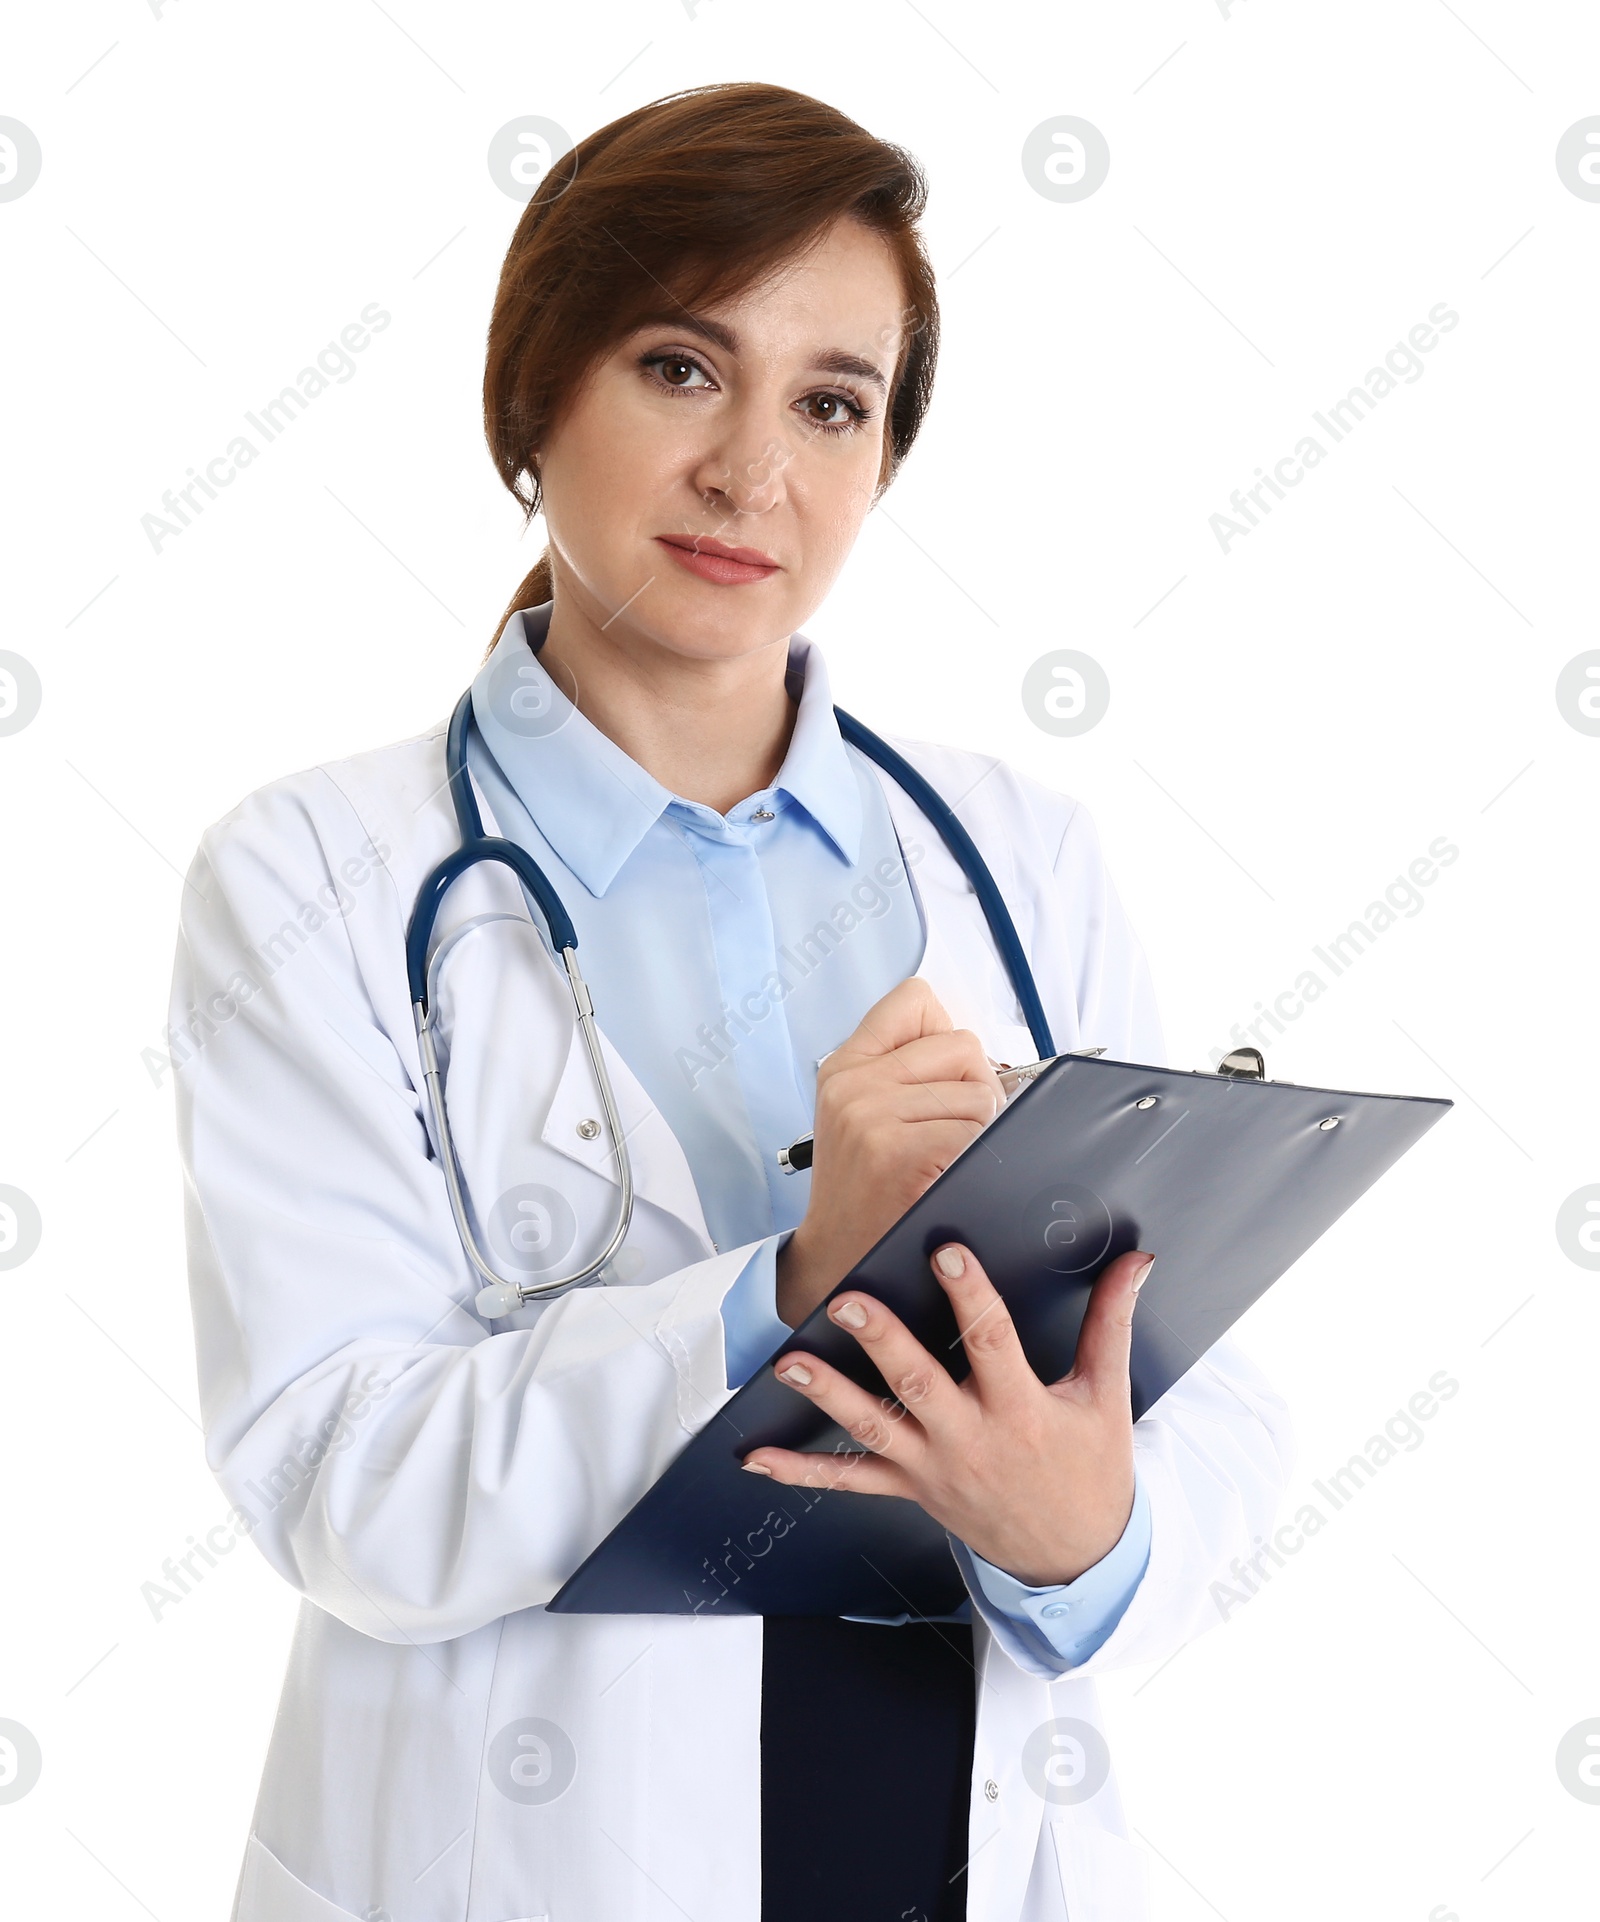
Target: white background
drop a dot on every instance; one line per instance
(1292, 722)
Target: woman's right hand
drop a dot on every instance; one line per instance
(896, 1103)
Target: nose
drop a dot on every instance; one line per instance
(741, 470)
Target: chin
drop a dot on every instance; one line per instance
(705, 622)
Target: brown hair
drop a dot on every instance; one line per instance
(701, 195)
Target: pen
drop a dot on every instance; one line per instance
(797, 1156)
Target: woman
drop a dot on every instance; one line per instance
(712, 345)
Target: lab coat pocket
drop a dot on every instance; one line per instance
(1104, 1877)
(269, 1893)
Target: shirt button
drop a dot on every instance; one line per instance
(991, 1789)
(763, 814)
(1056, 1608)
(587, 1130)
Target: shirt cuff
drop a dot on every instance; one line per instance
(1065, 1624)
(751, 1330)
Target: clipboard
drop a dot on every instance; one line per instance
(1227, 1178)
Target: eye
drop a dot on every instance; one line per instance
(677, 371)
(836, 413)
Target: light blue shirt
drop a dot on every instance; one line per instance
(726, 955)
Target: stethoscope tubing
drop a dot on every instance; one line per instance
(501, 1294)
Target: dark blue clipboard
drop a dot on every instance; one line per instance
(1226, 1180)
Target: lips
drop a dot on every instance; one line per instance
(716, 561)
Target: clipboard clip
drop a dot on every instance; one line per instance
(1013, 1078)
(1243, 1064)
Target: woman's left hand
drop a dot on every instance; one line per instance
(1035, 1477)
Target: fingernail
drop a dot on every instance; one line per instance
(755, 1468)
(1139, 1279)
(950, 1262)
(851, 1313)
(800, 1376)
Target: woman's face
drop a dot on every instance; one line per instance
(757, 426)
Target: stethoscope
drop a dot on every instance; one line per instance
(501, 1296)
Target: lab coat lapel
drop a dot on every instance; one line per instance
(661, 1172)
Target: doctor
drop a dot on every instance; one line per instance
(711, 348)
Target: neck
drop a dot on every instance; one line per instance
(712, 730)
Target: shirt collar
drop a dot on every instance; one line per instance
(594, 804)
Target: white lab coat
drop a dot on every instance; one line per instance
(427, 1481)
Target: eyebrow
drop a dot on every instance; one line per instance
(829, 360)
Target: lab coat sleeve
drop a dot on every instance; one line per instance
(1214, 1455)
(404, 1469)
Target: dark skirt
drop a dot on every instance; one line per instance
(866, 1766)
